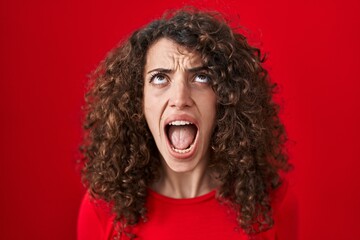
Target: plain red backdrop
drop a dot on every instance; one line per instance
(47, 48)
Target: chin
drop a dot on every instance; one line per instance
(181, 167)
(184, 165)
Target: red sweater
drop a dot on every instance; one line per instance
(201, 217)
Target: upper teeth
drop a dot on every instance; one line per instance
(180, 123)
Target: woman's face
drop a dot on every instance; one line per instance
(179, 105)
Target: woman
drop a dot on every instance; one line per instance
(184, 139)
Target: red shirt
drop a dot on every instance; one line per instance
(201, 217)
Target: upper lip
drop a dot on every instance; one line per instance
(181, 117)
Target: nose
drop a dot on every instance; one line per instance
(180, 97)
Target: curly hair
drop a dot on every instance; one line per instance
(120, 156)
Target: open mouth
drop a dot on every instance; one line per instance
(181, 135)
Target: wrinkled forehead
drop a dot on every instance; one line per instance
(166, 53)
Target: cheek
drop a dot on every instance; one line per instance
(210, 109)
(147, 110)
(209, 103)
(149, 115)
(151, 122)
(151, 108)
(147, 102)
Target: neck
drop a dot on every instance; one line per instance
(184, 184)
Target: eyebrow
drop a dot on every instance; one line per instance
(191, 70)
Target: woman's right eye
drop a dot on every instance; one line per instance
(158, 79)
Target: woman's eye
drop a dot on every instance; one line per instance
(158, 79)
(202, 78)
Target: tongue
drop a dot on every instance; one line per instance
(181, 137)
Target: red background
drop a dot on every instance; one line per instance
(48, 47)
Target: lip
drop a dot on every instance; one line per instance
(181, 117)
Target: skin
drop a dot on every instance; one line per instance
(177, 87)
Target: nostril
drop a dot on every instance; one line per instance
(182, 99)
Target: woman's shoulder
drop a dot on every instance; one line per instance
(94, 220)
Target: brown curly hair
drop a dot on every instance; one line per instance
(120, 156)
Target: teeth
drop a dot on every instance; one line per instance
(180, 123)
(183, 151)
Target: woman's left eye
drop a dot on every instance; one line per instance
(202, 78)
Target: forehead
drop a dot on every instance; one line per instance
(166, 53)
